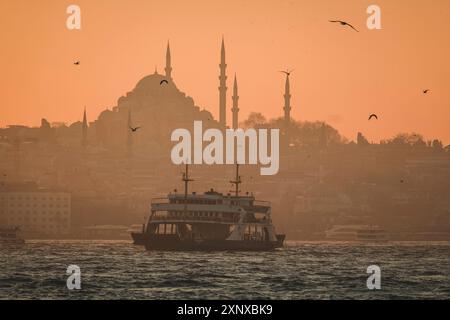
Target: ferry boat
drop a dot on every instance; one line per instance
(364, 233)
(211, 221)
(9, 235)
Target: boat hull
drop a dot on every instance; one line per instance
(138, 238)
(174, 243)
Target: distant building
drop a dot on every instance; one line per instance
(35, 211)
(156, 106)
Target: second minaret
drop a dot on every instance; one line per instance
(223, 88)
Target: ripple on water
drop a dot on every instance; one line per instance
(119, 270)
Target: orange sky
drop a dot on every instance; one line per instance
(340, 76)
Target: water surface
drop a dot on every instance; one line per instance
(120, 270)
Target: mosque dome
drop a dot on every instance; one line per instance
(154, 81)
(157, 106)
(105, 114)
(76, 125)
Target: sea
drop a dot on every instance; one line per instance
(300, 270)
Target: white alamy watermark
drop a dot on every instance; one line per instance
(374, 20)
(74, 279)
(73, 21)
(189, 150)
(374, 280)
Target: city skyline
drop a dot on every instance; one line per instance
(231, 151)
(58, 90)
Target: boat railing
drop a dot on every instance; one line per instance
(257, 209)
(261, 203)
(195, 219)
(255, 203)
(163, 216)
(160, 201)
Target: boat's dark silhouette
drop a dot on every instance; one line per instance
(210, 221)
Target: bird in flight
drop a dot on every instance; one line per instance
(426, 91)
(77, 63)
(287, 72)
(373, 115)
(164, 80)
(134, 129)
(343, 23)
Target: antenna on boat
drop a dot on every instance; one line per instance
(238, 181)
(186, 182)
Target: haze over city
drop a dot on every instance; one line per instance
(339, 76)
(237, 150)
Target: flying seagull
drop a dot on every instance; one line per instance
(343, 23)
(373, 115)
(135, 129)
(77, 63)
(164, 80)
(287, 72)
(426, 91)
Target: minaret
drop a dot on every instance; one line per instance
(287, 110)
(129, 134)
(235, 109)
(223, 88)
(84, 141)
(168, 68)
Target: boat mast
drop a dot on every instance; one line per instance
(237, 182)
(186, 182)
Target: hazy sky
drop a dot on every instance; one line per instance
(340, 76)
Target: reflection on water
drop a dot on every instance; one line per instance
(301, 270)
